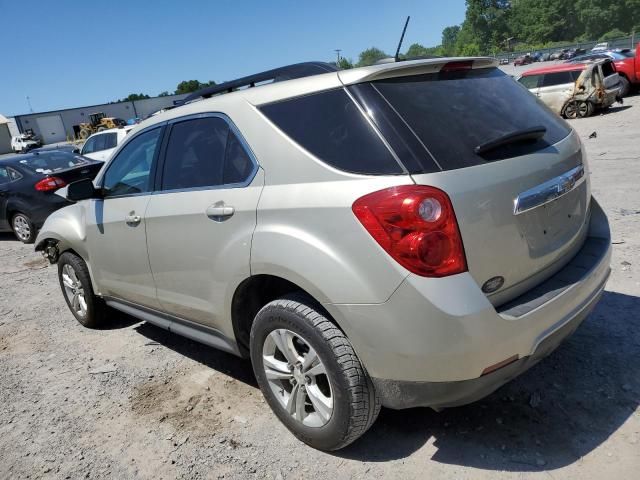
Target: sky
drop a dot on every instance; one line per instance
(64, 54)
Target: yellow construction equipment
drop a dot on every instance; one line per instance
(97, 123)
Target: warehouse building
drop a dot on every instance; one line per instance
(5, 136)
(62, 125)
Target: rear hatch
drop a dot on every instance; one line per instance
(521, 205)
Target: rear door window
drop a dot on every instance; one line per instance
(110, 140)
(330, 126)
(530, 81)
(451, 113)
(557, 78)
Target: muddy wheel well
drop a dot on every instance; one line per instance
(253, 294)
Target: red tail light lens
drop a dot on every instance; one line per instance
(457, 66)
(49, 184)
(417, 226)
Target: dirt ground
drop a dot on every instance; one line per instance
(133, 401)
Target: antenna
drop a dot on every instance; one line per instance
(397, 57)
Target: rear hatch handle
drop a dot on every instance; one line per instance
(526, 134)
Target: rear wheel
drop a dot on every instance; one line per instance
(310, 374)
(578, 109)
(76, 286)
(23, 228)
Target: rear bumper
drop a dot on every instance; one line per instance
(430, 343)
(437, 395)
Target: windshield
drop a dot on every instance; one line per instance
(46, 163)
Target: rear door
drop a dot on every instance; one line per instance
(116, 224)
(5, 180)
(451, 114)
(201, 221)
(556, 89)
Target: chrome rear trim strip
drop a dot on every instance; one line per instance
(549, 191)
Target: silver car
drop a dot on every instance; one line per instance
(409, 234)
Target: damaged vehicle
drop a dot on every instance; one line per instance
(575, 90)
(409, 234)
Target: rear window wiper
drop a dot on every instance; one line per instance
(532, 133)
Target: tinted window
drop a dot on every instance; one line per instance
(4, 176)
(110, 140)
(52, 161)
(89, 146)
(98, 144)
(130, 171)
(530, 81)
(237, 165)
(608, 69)
(14, 174)
(453, 112)
(557, 78)
(330, 126)
(195, 154)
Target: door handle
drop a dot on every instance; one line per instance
(132, 219)
(219, 211)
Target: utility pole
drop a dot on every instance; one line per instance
(337, 50)
(29, 102)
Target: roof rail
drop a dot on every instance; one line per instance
(280, 74)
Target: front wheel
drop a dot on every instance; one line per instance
(76, 286)
(310, 374)
(578, 109)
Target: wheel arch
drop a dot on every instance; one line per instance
(255, 292)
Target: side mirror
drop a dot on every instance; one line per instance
(82, 190)
(75, 150)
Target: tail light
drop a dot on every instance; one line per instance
(417, 226)
(457, 66)
(49, 184)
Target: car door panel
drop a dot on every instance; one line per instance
(196, 258)
(116, 226)
(199, 227)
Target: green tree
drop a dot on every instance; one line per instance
(416, 50)
(370, 56)
(164, 94)
(345, 64)
(134, 96)
(449, 39)
(189, 86)
(612, 35)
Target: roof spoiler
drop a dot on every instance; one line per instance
(298, 70)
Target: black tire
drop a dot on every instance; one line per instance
(626, 86)
(96, 309)
(578, 109)
(23, 228)
(355, 403)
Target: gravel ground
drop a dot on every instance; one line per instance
(133, 401)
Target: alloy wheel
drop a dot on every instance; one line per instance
(74, 290)
(21, 227)
(297, 377)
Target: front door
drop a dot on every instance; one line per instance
(200, 223)
(116, 224)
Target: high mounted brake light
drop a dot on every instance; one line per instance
(417, 226)
(457, 66)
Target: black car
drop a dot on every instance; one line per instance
(28, 184)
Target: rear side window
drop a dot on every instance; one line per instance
(530, 81)
(110, 140)
(330, 126)
(557, 78)
(4, 176)
(451, 113)
(204, 152)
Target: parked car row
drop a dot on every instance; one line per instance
(575, 90)
(627, 64)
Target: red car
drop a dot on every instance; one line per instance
(523, 60)
(628, 67)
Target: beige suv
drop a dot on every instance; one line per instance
(408, 234)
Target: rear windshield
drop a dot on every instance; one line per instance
(452, 113)
(52, 162)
